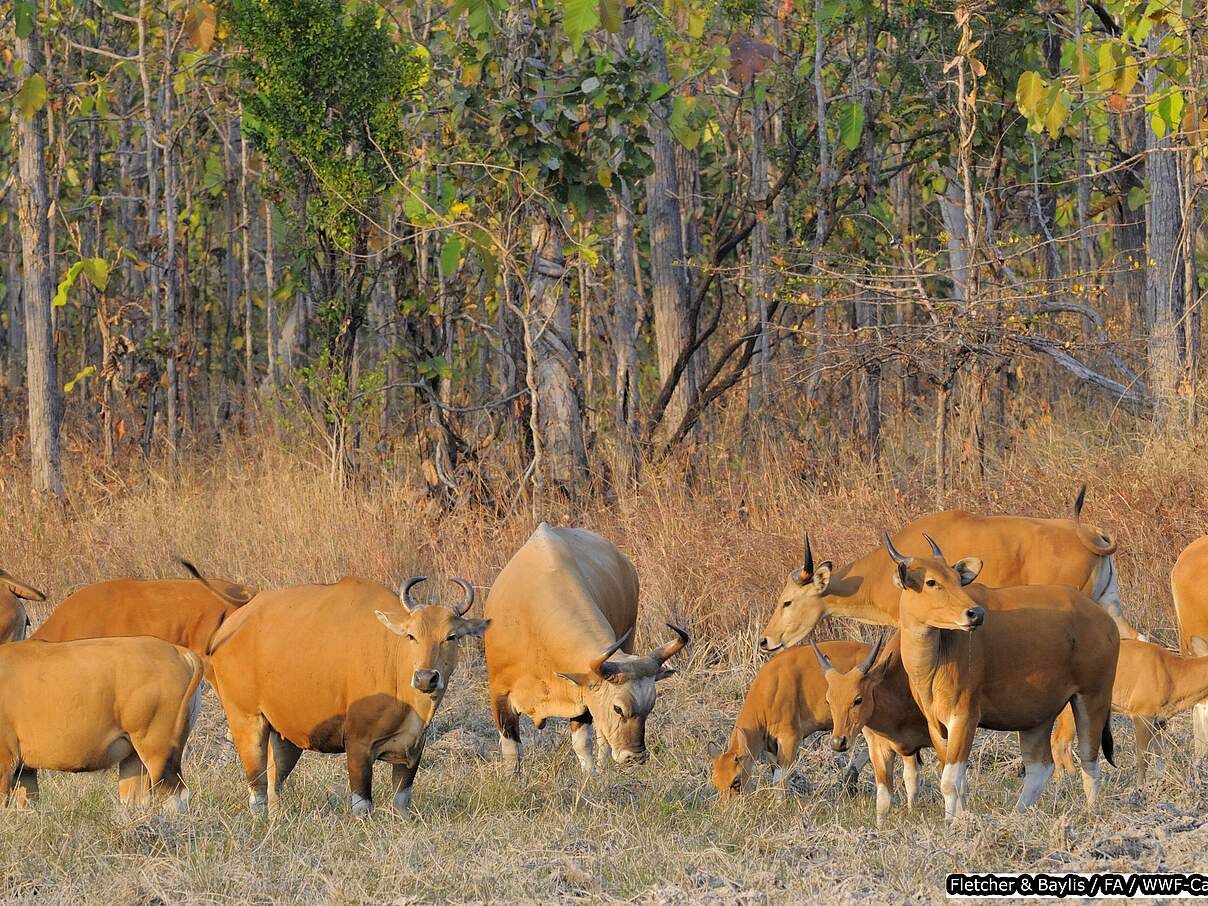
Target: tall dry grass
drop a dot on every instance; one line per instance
(712, 547)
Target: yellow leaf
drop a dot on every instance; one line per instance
(200, 25)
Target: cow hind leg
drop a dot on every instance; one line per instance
(133, 781)
(1199, 730)
(910, 778)
(581, 732)
(250, 734)
(508, 723)
(1037, 752)
(25, 792)
(283, 757)
(1092, 720)
(1063, 741)
(360, 776)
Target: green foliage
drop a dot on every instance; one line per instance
(851, 124)
(31, 97)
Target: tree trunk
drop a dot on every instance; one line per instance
(555, 383)
(624, 339)
(245, 232)
(1164, 275)
(171, 296)
(270, 304)
(759, 377)
(14, 305)
(668, 274)
(33, 210)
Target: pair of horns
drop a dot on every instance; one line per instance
(602, 667)
(825, 664)
(410, 604)
(899, 557)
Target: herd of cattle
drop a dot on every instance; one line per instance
(1038, 645)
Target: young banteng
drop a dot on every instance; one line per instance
(1004, 659)
(1152, 685)
(785, 704)
(1189, 587)
(874, 698)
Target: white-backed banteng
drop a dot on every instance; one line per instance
(785, 704)
(1152, 685)
(1016, 551)
(1189, 586)
(91, 704)
(336, 668)
(185, 612)
(14, 618)
(874, 698)
(562, 616)
(1004, 659)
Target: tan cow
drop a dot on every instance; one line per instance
(1016, 551)
(1152, 685)
(785, 704)
(312, 668)
(560, 611)
(1004, 659)
(1189, 586)
(185, 612)
(874, 698)
(91, 704)
(14, 619)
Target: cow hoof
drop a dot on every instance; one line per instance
(258, 805)
(361, 806)
(402, 805)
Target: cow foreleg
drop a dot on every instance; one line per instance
(250, 734)
(1037, 752)
(581, 741)
(910, 778)
(133, 781)
(360, 777)
(283, 757)
(508, 723)
(402, 776)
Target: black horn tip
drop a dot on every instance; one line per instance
(807, 560)
(682, 633)
(935, 548)
(189, 567)
(1080, 500)
(468, 601)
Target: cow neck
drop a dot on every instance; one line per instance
(926, 651)
(1189, 684)
(851, 593)
(889, 699)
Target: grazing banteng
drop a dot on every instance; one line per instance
(95, 703)
(312, 668)
(1016, 551)
(562, 616)
(1152, 685)
(785, 704)
(1189, 586)
(874, 698)
(185, 612)
(1004, 659)
(14, 619)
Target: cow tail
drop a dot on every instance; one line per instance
(1107, 744)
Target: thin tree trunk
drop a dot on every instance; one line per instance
(14, 301)
(624, 339)
(270, 304)
(33, 206)
(172, 296)
(759, 377)
(245, 229)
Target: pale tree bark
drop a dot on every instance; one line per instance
(1164, 275)
(669, 290)
(270, 303)
(245, 232)
(33, 210)
(759, 377)
(555, 383)
(624, 337)
(172, 294)
(14, 349)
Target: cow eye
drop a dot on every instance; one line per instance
(859, 700)
(620, 713)
(737, 784)
(931, 583)
(410, 637)
(786, 604)
(452, 638)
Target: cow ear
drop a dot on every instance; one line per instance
(580, 679)
(663, 673)
(471, 628)
(901, 578)
(1198, 646)
(822, 577)
(968, 569)
(385, 620)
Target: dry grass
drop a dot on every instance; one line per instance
(712, 552)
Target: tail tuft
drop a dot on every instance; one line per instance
(1107, 744)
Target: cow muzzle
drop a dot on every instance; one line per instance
(839, 743)
(974, 617)
(766, 646)
(427, 681)
(631, 756)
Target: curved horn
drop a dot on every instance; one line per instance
(807, 563)
(676, 645)
(872, 654)
(893, 551)
(600, 666)
(468, 601)
(823, 660)
(1079, 501)
(935, 548)
(404, 592)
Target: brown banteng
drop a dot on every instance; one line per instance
(874, 698)
(1189, 586)
(92, 704)
(785, 704)
(1152, 685)
(185, 612)
(1016, 551)
(562, 616)
(14, 619)
(1004, 659)
(312, 668)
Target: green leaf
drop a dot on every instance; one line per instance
(590, 84)
(658, 90)
(578, 18)
(66, 284)
(434, 367)
(25, 11)
(32, 96)
(1137, 197)
(610, 16)
(1059, 111)
(80, 375)
(450, 255)
(851, 124)
(1030, 94)
(97, 272)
